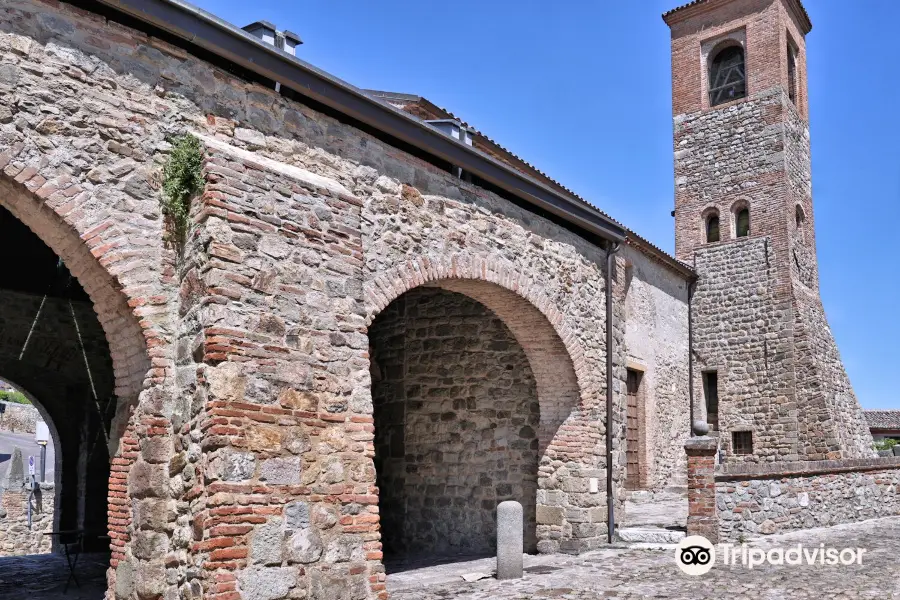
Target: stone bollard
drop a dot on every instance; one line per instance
(510, 545)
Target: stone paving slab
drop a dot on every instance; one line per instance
(664, 511)
(43, 577)
(645, 573)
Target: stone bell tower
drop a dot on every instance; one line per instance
(768, 375)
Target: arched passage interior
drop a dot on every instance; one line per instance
(470, 383)
(53, 347)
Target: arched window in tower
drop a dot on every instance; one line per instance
(800, 218)
(742, 222)
(792, 72)
(712, 228)
(727, 76)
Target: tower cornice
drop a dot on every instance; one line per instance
(698, 7)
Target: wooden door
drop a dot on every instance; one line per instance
(632, 435)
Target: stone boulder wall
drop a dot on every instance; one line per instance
(780, 497)
(16, 537)
(19, 418)
(823, 380)
(456, 421)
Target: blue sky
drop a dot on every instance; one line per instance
(583, 92)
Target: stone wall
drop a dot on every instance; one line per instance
(18, 418)
(456, 421)
(783, 497)
(656, 346)
(743, 332)
(16, 537)
(243, 443)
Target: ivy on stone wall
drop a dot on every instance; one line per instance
(182, 180)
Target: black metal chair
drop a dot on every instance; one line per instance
(72, 541)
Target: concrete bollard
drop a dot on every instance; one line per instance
(510, 545)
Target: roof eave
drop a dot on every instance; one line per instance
(697, 7)
(207, 31)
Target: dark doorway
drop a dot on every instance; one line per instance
(456, 421)
(633, 479)
(711, 395)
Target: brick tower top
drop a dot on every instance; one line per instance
(739, 103)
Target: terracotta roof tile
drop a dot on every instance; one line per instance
(883, 419)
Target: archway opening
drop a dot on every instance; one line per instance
(53, 347)
(457, 418)
(28, 471)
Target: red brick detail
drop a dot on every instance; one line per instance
(701, 467)
(463, 273)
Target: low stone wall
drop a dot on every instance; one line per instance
(16, 537)
(19, 418)
(756, 499)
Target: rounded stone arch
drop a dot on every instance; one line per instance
(556, 358)
(48, 207)
(57, 447)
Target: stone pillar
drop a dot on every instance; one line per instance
(510, 545)
(701, 466)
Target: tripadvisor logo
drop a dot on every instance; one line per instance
(696, 555)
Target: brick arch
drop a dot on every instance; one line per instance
(556, 359)
(48, 207)
(706, 214)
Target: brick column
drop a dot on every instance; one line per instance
(701, 465)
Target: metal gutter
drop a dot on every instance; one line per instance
(610, 491)
(690, 299)
(207, 31)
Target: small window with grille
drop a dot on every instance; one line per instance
(727, 76)
(742, 442)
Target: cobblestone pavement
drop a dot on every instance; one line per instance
(652, 573)
(43, 577)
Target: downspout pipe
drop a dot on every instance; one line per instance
(611, 249)
(690, 297)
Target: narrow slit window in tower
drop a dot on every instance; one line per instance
(742, 222)
(712, 229)
(792, 73)
(711, 393)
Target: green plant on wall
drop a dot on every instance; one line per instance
(182, 180)
(886, 444)
(14, 397)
